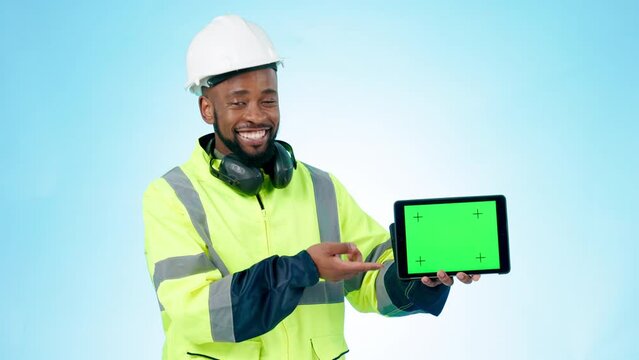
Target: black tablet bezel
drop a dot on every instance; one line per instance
(400, 234)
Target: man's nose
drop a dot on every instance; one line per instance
(255, 113)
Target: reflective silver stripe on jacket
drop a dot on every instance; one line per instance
(191, 200)
(180, 266)
(324, 292)
(326, 205)
(221, 310)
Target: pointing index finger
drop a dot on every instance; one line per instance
(361, 266)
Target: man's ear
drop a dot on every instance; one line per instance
(206, 109)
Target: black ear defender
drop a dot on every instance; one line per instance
(248, 180)
(283, 165)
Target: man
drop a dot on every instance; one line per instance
(251, 252)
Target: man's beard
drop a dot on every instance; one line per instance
(257, 160)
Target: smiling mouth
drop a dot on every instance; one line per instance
(252, 134)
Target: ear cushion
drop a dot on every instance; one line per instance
(247, 180)
(283, 166)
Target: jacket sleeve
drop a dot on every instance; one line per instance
(381, 291)
(195, 298)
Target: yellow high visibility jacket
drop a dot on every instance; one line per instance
(205, 243)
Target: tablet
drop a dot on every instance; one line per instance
(461, 234)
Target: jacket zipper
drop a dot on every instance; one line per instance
(259, 200)
(268, 245)
(268, 249)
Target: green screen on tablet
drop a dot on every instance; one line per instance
(466, 234)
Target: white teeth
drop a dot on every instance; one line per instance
(252, 135)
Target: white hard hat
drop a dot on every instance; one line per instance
(228, 43)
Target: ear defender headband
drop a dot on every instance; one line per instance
(248, 180)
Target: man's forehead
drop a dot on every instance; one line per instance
(216, 79)
(264, 80)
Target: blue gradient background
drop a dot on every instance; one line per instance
(537, 100)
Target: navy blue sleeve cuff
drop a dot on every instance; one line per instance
(306, 266)
(413, 296)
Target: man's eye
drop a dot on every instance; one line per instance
(237, 103)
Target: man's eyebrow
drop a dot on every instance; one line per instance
(242, 92)
(238, 93)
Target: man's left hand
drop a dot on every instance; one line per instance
(443, 278)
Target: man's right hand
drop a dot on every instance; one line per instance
(331, 266)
